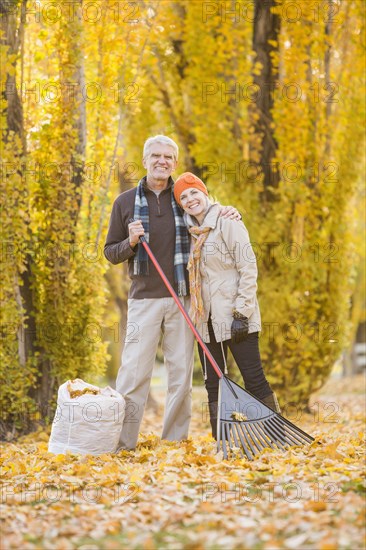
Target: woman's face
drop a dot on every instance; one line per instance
(193, 201)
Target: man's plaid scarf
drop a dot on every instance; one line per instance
(181, 255)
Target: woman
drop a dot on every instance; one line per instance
(223, 284)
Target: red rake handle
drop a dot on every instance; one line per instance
(181, 307)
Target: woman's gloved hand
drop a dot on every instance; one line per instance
(239, 327)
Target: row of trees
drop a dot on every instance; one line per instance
(265, 100)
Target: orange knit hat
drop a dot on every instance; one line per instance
(185, 181)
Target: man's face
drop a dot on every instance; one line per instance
(160, 162)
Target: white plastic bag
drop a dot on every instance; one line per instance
(88, 419)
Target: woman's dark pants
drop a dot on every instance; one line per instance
(247, 357)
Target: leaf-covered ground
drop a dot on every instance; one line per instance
(183, 496)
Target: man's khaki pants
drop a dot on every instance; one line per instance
(146, 320)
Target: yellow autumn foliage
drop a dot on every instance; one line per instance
(94, 83)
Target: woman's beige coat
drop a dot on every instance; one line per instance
(229, 275)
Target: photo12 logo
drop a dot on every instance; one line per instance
(68, 491)
(251, 92)
(49, 13)
(72, 92)
(288, 12)
(290, 492)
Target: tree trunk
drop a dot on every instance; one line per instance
(327, 59)
(12, 26)
(266, 28)
(77, 113)
(12, 34)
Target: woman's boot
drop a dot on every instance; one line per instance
(212, 407)
(272, 402)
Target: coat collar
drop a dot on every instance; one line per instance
(212, 215)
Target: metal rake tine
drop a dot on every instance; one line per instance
(250, 455)
(293, 440)
(242, 426)
(228, 432)
(304, 437)
(290, 439)
(223, 439)
(292, 436)
(261, 435)
(267, 434)
(256, 431)
(283, 421)
(233, 442)
(276, 436)
(218, 435)
(258, 440)
(234, 439)
(296, 437)
(237, 444)
(254, 437)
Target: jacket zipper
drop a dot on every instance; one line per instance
(158, 201)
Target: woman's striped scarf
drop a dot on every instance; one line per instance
(181, 255)
(195, 285)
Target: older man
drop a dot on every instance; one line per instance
(151, 309)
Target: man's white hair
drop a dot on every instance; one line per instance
(165, 140)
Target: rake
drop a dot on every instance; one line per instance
(244, 423)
